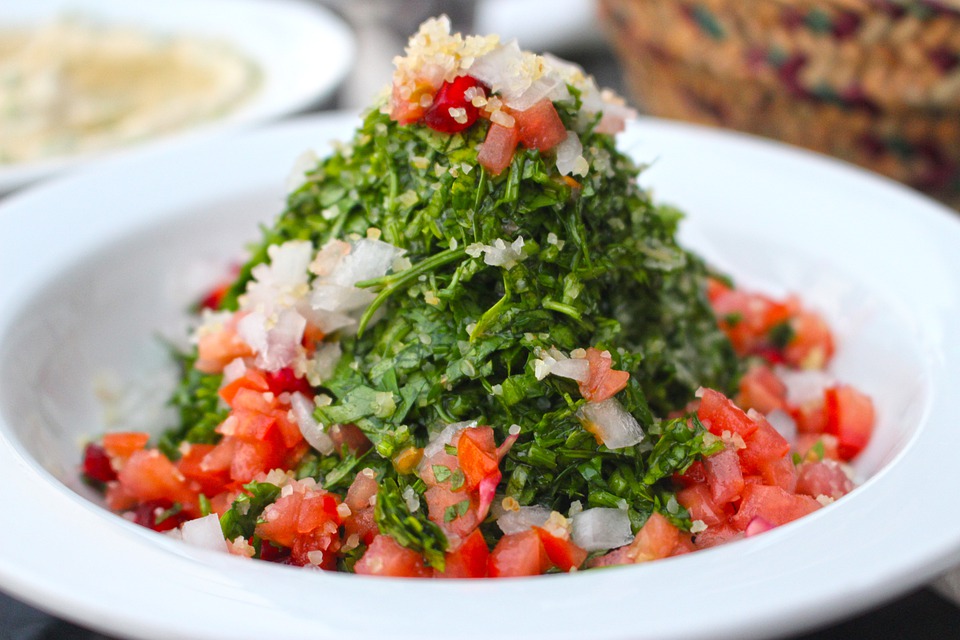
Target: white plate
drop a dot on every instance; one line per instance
(302, 50)
(80, 292)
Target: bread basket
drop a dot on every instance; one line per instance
(874, 82)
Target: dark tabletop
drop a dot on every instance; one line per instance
(918, 616)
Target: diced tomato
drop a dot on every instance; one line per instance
(285, 380)
(122, 444)
(350, 435)
(764, 447)
(451, 110)
(158, 515)
(96, 464)
(694, 475)
(563, 553)
(603, 381)
(252, 458)
(824, 478)
(656, 539)
(781, 473)
(718, 414)
(773, 504)
(298, 513)
(850, 417)
(362, 490)
(723, 475)
(386, 557)
(361, 523)
(190, 464)
(250, 426)
(213, 299)
(498, 148)
(477, 455)
(252, 379)
(149, 475)
(748, 319)
(447, 509)
(761, 389)
(540, 126)
(611, 559)
(698, 500)
(810, 416)
(217, 349)
(518, 554)
(469, 560)
(716, 535)
(811, 345)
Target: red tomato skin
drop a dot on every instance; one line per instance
(540, 126)
(469, 560)
(477, 455)
(518, 554)
(761, 389)
(386, 557)
(603, 382)
(451, 96)
(719, 414)
(563, 554)
(850, 417)
(498, 148)
(96, 464)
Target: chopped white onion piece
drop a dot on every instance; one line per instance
(610, 422)
(312, 431)
(601, 528)
(511, 522)
(443, 438)
(336, 297)
(804, 385)
(204, 533)
(367, 259)
(570, 160)
(573, 368)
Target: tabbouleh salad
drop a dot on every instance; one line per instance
(471, 346)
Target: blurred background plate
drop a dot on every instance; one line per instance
(300, 51)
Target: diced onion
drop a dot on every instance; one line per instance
(312, 431)
(444, 437)
(611, 423)
(204, 533)
(511, 522)
(570, 160)
(601, 528)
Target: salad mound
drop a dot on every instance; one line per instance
(471, 346)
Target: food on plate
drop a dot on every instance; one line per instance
(76, 85)
(471, 346)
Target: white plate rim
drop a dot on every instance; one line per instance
(526, 608)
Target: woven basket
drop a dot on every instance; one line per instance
(870, 81)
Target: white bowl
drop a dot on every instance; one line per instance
(89, 271)
(302, 50)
